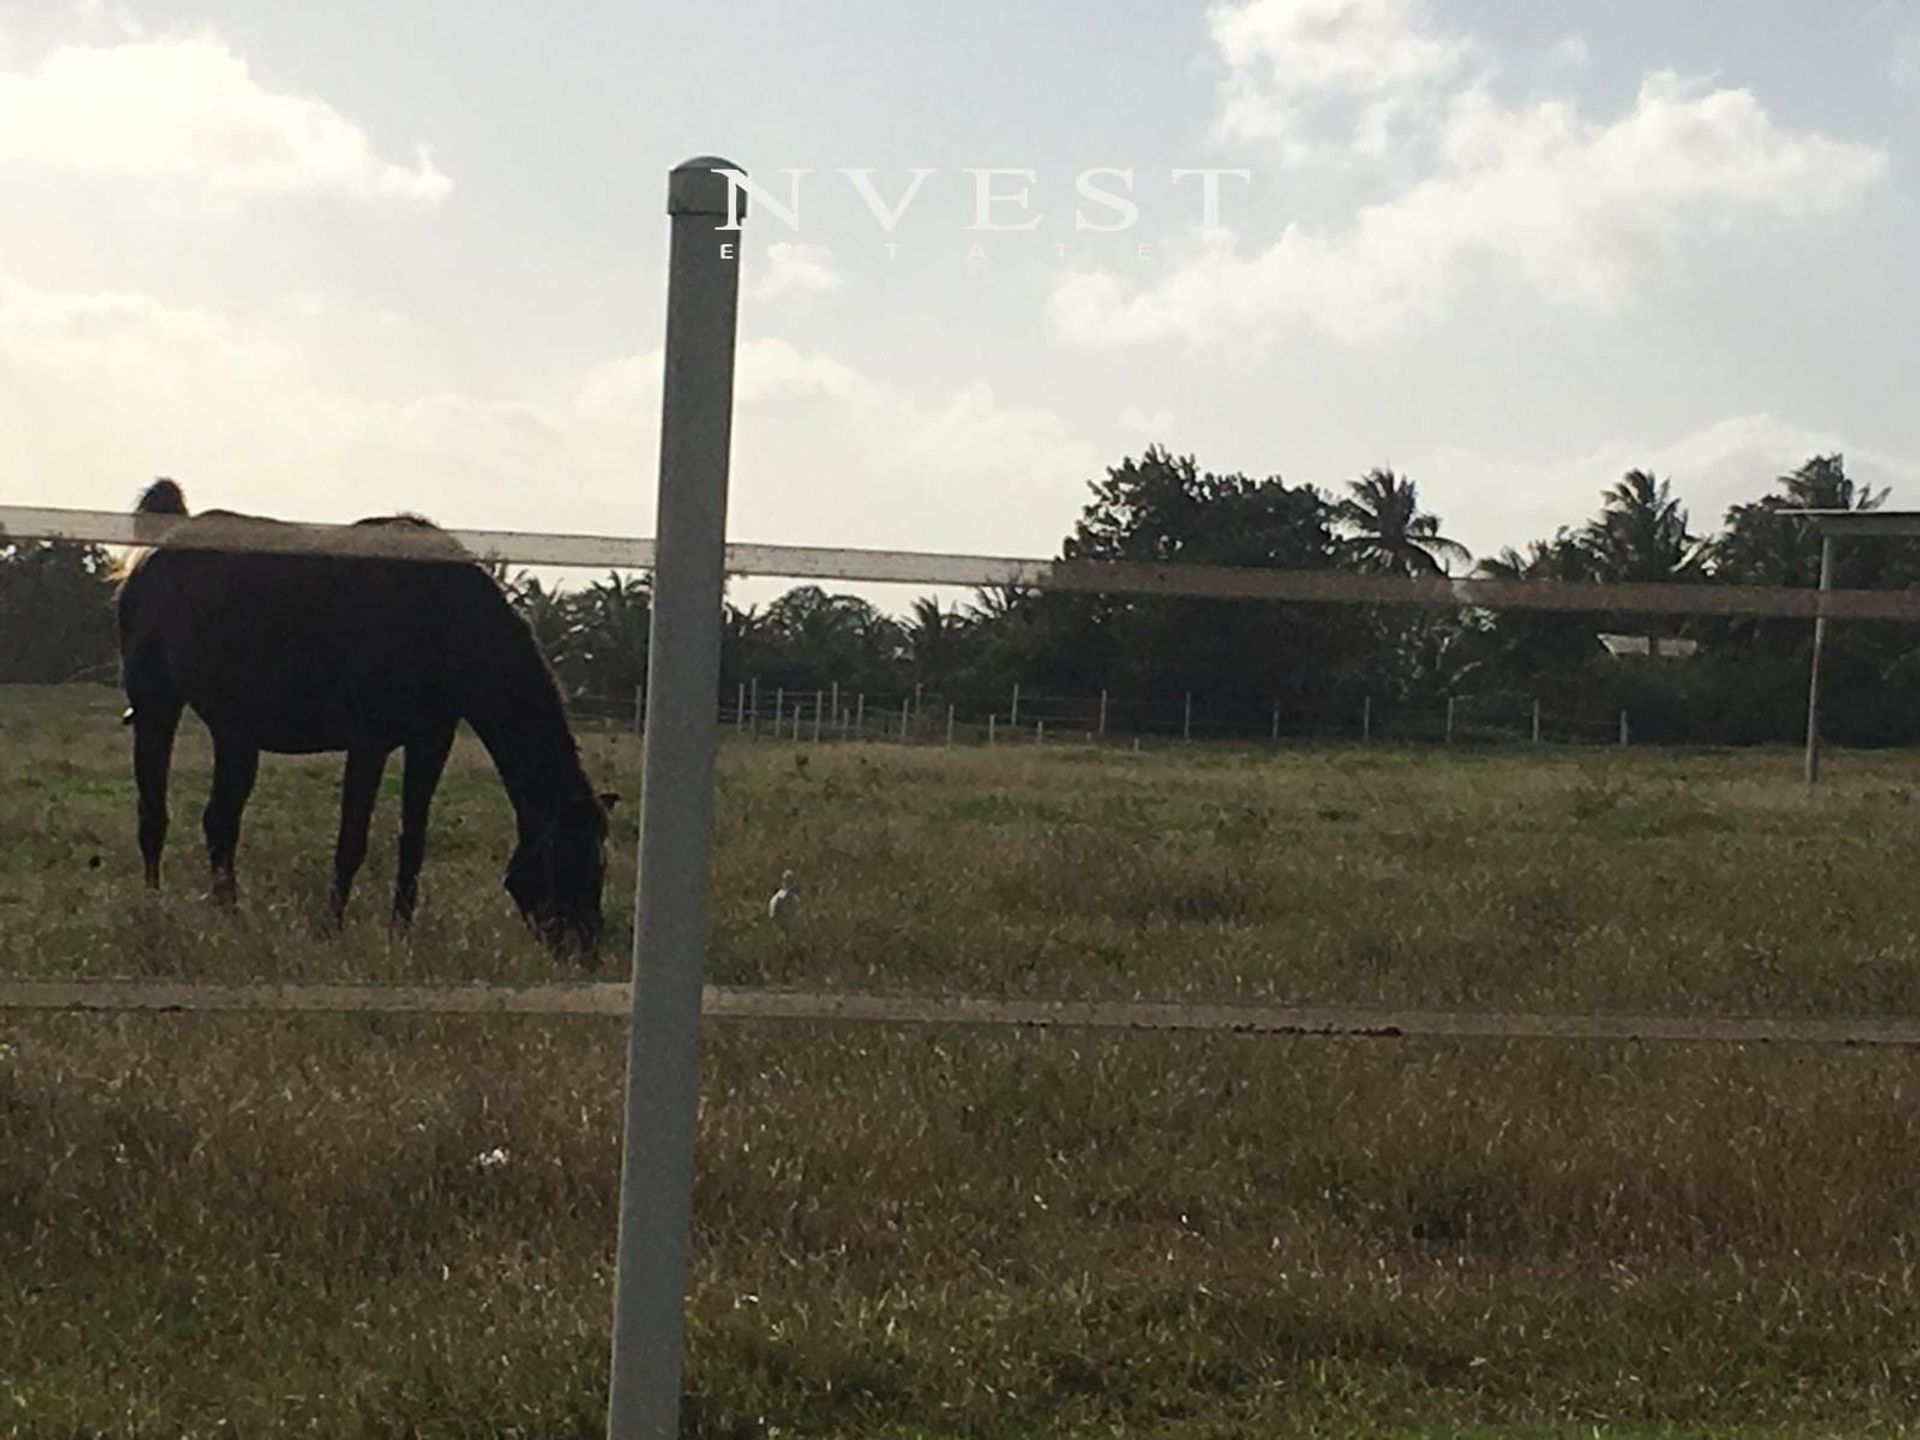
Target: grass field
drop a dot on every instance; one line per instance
(231, 1226)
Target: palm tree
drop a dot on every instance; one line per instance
(933, 638)
(1823, 484)
(612, 632)
(1389, 533)
(1641, 533)
(1565, 557)
(1765, 543)
(1528, 646)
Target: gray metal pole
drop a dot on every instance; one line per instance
(1186, 722)
(1366, 718)
(676, 815)
(1626, 735)
(1450, 700)
(1819, 649)
(1536, 722)
(1013, 715)
(1103, 714)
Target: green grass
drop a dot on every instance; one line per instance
(227, 1226)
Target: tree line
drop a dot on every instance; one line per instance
(1743, 681)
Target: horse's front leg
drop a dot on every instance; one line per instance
(426, 762)
(358, 791)
(235, 766)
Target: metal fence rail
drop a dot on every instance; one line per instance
(737, 1004)
(26, 524)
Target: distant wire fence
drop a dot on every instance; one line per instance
(1037, 718)
(1021, 716)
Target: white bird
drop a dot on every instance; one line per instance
(785, 902)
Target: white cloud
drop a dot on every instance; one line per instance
(1315, 75)
(1575, 211)
(1155, 425)
(187, 112)
(827, 454)
(794, 269)
(99, 393)
(96, 17)
(1906, 61)
(1494, 500)
(1568, 53)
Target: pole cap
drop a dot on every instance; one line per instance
(697, 187)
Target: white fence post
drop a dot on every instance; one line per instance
(1812, 763)
(949, 727)
(1013, 716)
(819, 699)
(676, 812)
(860, 716)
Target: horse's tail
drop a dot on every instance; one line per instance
(162, 497)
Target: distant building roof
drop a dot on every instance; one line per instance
(1661, 648)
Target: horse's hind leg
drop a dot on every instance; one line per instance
(426, 762)
(155, 720)
(235, 764)
(358, 791)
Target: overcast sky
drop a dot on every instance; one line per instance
(330, 260)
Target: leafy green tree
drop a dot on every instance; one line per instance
(56, 613)
(1869, 670)
(1764, 544)
(1164, 509)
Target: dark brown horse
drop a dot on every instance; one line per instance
(301, 653)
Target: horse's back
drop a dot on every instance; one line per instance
(299, 653)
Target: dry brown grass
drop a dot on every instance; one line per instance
(224, 1226)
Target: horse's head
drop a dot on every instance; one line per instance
(556, 875)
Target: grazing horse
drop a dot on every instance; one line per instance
(305, 653)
